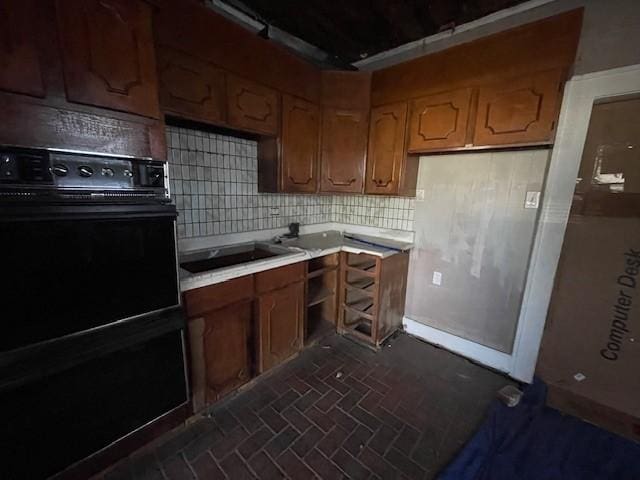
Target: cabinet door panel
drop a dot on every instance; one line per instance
(439, 121)
(225, 346)
(523, 110)
(386, 149)
(300, 123)
(20, 69)
(108, 54)
(280, 316)
(191, 88)
(252, 106)
(344, 149)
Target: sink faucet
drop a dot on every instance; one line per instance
(294, 232)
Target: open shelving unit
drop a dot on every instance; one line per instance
(322, 296)
(371, 297)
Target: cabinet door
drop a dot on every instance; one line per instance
(300, 123)
(20, 69)
(386, 149)
(439, 121)
(252, 107)
(108, 54)
(225, 359)
(519, 111)
(191, 88)
(280, 315)
(344, 149)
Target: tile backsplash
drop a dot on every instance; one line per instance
(214, 184)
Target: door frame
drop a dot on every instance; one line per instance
(579, 95)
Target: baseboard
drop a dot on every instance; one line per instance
(473, 351)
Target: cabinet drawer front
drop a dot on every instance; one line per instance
(519, 111)
(252, 107)
(279, 277)
(205, 299)
(191, 88)
(439, 121)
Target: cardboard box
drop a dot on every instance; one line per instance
(590, 354)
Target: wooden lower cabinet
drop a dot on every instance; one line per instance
(241, 327)
(280, 325)
(220, 351)
(372, 296)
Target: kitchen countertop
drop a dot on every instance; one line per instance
(303, 248)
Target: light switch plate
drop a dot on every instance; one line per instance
(532, 200)
(437, 278)
(420, 195)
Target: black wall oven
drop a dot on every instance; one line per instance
(92, 344)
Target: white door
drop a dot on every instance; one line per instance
(520, 359)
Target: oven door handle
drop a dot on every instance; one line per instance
(85, 212)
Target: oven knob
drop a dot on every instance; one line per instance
(85, 171)
(108, 172)
(60, 170)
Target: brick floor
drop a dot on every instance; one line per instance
(336, 411)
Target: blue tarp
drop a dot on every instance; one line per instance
(535, 442)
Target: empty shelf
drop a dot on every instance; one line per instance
(361, 284)
(318, 294)
(321, 271)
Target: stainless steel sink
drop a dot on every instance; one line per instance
(224, 257)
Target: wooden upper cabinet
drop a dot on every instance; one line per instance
(252, 106)
(439, 121)
(20, 68)
(300, 130)
(517, 111)
(191, 88)
(386, 155)
(108, 54)
(344, 149)
(280, 324)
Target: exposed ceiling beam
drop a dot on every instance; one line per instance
(398, 51)
(238, 12)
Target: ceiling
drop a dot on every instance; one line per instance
(346, 31)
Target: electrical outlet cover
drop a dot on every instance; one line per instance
(420, 195)
(437, 278)
(532, 200)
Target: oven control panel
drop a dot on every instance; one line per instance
(36, 173)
